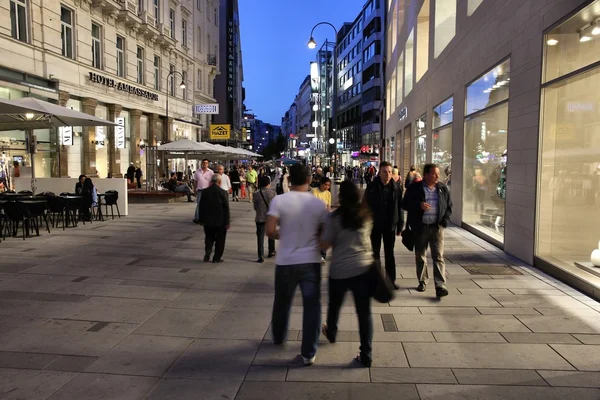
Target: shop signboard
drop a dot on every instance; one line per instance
(206, 108)
(314, 77)
(100, 137)
(66, 135)
(123, 87)
(220, 132)
(120, 133)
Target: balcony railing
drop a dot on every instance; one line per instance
(211, 59)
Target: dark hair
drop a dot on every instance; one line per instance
(172, 174)
(324, 180)
(299, 175)
(350, 210)
(385, 164)
(81, 176)
(264, 181)
(428, 167)
(413, 168)
(205, 159)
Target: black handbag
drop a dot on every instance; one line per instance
(408, 239)
(382, 288)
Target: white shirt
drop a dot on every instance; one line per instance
(225, 183)
(300, 216)
(278, 173)
(203, 178)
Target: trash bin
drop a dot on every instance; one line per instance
(335, 190)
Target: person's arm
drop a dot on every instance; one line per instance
(400, 223)
(408, 199)
(446, 218)
(271, 227)
(226, 208)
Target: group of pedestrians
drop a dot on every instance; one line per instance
(303, 222)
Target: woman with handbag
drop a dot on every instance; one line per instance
(347, 231)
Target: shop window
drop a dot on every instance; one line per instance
(157, 72)
(442, 139)
(574, 44)
(485, 156)
(423, 40)
(472, 6)
(492, 88)
(140, 65)
(400, 72)
(120, 56)
(409, 63)
(18, 19)
(393, 97)
(569, 154)
(421, 142)
(96, 46)
(66, 31)
(445, 25)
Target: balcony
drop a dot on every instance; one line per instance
(211, 59)
(128, 12)
(165, 38)
(149, 25)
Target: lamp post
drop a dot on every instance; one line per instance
(312, 44)
(181, 86)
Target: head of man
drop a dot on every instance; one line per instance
(319, 170)
(325, 184)
(299, 176)
(250, 168)
(431, 174)
(204, 164)
(216, 179)
(265, 182)
(385, 172)
(221, 169)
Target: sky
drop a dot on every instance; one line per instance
(274, 35)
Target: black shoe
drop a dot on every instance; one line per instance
(195, 221)
(206, 258)
(421, 287)
(396, 287)
(271, 255)
(260, 260)
(218, 261)
(191, 201)
(441, 292)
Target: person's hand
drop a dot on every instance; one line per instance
(226, 227)
(425, 206)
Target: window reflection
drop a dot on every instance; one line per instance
(490, 89)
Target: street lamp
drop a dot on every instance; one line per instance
(181, 86)
(312, 44)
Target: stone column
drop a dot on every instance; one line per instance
(154, 134)
(62, 154)
(114, 111)
(134, 148)
(88, 106)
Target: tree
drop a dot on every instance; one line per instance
(275, 148)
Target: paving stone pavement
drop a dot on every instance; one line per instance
(126, 309)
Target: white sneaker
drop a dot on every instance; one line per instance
(309, 361)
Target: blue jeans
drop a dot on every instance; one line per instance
(198, 197)
(183, 188)
(287, 277)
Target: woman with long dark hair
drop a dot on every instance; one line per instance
(234, 176)
(348, 231)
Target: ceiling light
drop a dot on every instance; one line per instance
(29, 115)
(596, 30)
(584, 37)
(552, 42)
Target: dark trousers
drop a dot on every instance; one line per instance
(287, 277)
(359, 286)
(139, 182)
(215, 235)
(260, 238)
(389, 240)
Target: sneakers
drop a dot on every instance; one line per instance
(421, 287)
(260, 261)
(441, 292)
(309, 361)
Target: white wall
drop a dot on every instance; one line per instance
(60, 185)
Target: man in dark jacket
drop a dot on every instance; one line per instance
(215, 218)
(384, 197)
(429, 208)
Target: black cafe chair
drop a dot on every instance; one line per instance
(16, 215)
(57, 210)
(110, 199)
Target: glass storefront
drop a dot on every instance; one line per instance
(74, 152)
(485, 156)
(569, 157)
(102, 143)
(442, 139)
(421, 142)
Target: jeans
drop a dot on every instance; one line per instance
(198, 197)
(260, 237)
(432, 236)
(183, 188)
(359, 286)
(235, 190)
(287, 277)
(389, 240)
(214, 236)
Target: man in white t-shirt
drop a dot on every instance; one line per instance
(296, 219)
(225, 182)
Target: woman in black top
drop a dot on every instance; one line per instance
(234, 177)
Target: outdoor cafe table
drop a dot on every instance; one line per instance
(71, 214)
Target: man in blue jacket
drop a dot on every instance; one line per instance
(429, 208)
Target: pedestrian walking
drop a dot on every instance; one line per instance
(261, 202)
(347, 231)
(323, 193)
(215, 218)
(410, 176)
(384, 198)
(202, 180)
(225, 181)
(296, 219)
(429, 208)
(251, 181)
(138, 177)
(234, 177)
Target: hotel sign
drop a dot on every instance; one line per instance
(123, 87)
(120, 133)
(231, 61)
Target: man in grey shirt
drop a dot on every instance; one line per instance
(261, 201)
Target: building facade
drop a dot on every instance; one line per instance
(229, 90)
(498, 95)
(360, 57)
(119, 60)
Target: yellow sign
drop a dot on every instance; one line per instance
(222, 132)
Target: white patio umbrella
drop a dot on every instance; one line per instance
(186, 145)
(29, 113)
